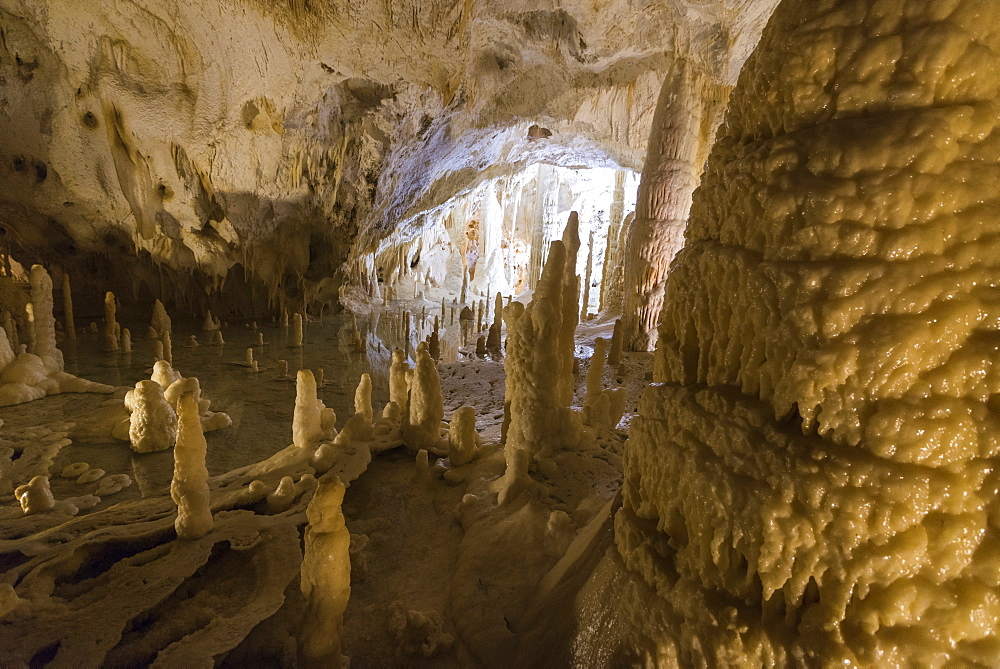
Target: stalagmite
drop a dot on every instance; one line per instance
(160, 321)
(306, 424)
(814, 453)
(325, 577)
(363, 398)
(539, 366)
(426, 405)
(191, 342)
(481, 347)
(596, 371)
(189, 487)
(67, 295)
(282, 371)
(164, 374)
(585, 302)
(249, 358)
(260, 339)
(153, 423)
(296, 330)
(688, 112)
(398, 389)
(612, 250)
(29, 312)
(126, 341)
(463, 440)
(211, 323)
(444, 311)
(615, 351)
(158, 350)
(35, 496)
(112, 330)
(465, 324)
(434, 342)
(43, 323)
(493, 338)
(168, 348)
(463, 296)
(217, 339)
(479, 316)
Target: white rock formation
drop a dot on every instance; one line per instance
(189, 487)
(539, 366)
(28, 376)
(463, 440)
(112, 331)
(325, 577)
(153, 422)
(211, 323)
(307, 430)
(425, 409)
(35, 496)
(363, 398)
(160, 321)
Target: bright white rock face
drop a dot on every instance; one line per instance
(815, 476)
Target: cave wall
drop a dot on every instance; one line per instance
(143, 140)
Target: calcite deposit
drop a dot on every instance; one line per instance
(560, 334)
(820, 449)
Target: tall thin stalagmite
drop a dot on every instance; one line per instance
(67, 295)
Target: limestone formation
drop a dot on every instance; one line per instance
(539, 367)
(160, 321)
(808, 455)
(688, 112)
(112, 331)
(307, 428)
(463, 440)
(153, 422)
(422, 426)
(189, 487)
(325, 578)
(67, 295)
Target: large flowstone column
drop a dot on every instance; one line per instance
(813, 482)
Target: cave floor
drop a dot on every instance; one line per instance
(439, 573)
